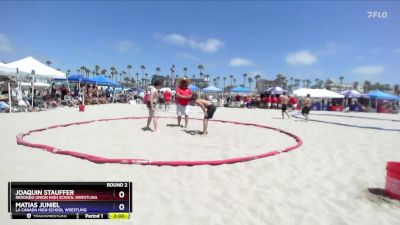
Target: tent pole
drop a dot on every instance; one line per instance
(9, 97)
(113, 95)
(83, 97)
(69, 89)
(33, 87)
(369, 104)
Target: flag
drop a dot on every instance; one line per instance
(172, 69)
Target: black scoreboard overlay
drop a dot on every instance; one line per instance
(70, 200)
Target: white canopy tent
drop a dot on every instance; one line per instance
(316, 93)
(30, 64)
(11, 72)
(7, 70)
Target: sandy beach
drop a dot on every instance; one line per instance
(325, 181)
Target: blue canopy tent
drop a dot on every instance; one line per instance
(77, 79)
(241, 90)
(80, 79)
(382, 95)
(193, 87)
(104, 81)
(211, 89)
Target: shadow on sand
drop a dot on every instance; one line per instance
(146, 129)
(174, 125)
(379, 196)
(193, 132)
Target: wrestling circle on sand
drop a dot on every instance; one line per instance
(299, 116)
(98, 159)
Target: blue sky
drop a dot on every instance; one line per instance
(313, 39)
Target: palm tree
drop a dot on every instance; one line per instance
(116, 75)
(257, 77)
(132, 80)
(308, 82)
(103, 72)
(87, 72)
(145, 79)
(127, 80)
(316, 82)
(124, 74)
(68, 71)
(341, 81)
(280, 80)
(201, 68)
(234, 81)
(129, 67)
(83, 69)
(48, 62)
(112, 72)
(355, 85)
(78, 70)
(185, 70)
(224, 79)
(377, 85)
(367, 85)
(244, 79)
(137, 79)
(215, 81)
(250, 80)
(218, 78)
(297, 82)
(142, 67)
(328, 84)
(387, 87)
(207, 77)
(96, 69)
(396, 89)
(158, 69)
(291, 82)
(320, 83)
(231, 77)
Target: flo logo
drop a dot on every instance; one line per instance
(377, 14)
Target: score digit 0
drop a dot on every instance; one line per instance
(121, 194)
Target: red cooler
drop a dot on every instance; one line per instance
(81, 108)
(392, 187)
